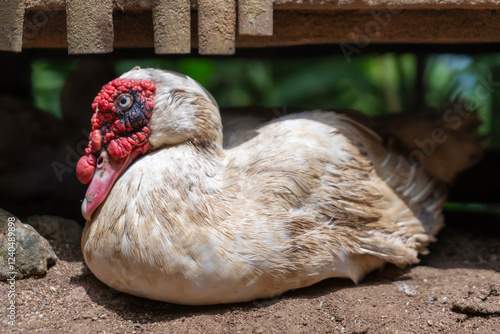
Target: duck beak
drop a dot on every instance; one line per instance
(107, 171)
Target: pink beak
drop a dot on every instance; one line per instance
(107, 171)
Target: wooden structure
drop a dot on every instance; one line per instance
(218, 27)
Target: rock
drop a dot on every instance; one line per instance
(32, 254)
(406, 289)
(57, 228)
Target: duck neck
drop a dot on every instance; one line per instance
(206, 149)
(193, 162)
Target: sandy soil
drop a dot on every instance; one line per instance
(456, 289)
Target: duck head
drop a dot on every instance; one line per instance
(142, 111)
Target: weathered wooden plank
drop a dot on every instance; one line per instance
(356, 28)
(53, 34)
(361, 28)
(300, 4)
(11, 25)
(172, 26)
(255, 17)
(216, 27)
(90, 26)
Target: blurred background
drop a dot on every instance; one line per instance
(374, 84)
(45, 105)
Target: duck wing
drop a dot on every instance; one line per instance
(345, 194)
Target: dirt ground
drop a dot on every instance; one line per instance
(455, 289)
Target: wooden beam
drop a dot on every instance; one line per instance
(216, 27)
(172, 26)
(361, 28)
(41, 5)
(356, 28)
(255, 17)
(11, 25)
(90, 26)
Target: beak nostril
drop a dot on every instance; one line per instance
(100, 161)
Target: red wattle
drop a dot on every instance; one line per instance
(95, 139)
(85, 168)
(114, 149)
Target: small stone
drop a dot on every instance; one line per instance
(53, 289)
(406, 289)
(430, 323)
(33, 254)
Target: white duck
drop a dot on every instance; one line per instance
(173, 215)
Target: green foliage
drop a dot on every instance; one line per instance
(490, 208)
(374, 84)
(472, 79)
(48, 79)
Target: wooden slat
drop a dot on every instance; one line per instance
(255, 17)
(90, 26)
(11, 25)
(216, 27)
(172, 26)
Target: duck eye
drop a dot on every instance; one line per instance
(124, 102)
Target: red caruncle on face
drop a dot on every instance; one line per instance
(120, 124)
